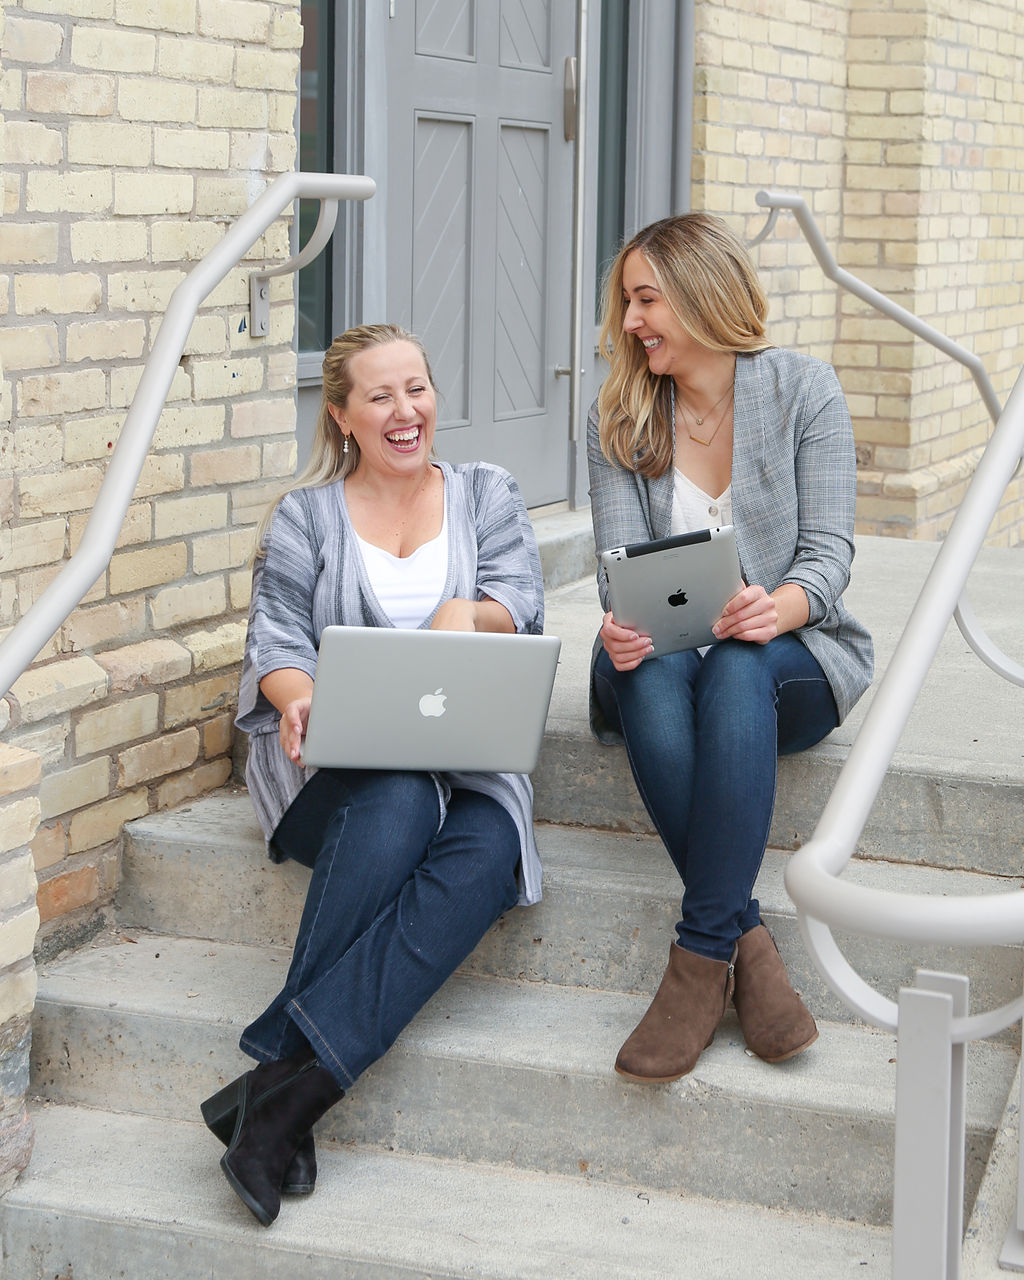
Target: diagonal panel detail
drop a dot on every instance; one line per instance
(525, 39)
(442, 184)
(521, 266)
(446, 28)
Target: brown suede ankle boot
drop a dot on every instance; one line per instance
(775, 1021)
(681, 1021)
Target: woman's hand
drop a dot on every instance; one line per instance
(626, 648)
(472, 615)
(754, 615)
(751, 615)
(290, 691)
(294, 719)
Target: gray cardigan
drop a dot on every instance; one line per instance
(794, 488)
(313, 576)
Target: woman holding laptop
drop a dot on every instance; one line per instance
(702, 423)
(409, 870)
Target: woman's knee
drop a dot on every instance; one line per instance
(371, 810)
(481, 838)
(737, 667)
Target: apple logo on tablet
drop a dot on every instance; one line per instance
(432, 704)
(677, 598)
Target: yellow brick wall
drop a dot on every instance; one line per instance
(901, 125)
(20, 775)
(134, 132)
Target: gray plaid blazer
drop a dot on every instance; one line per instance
(794, 483)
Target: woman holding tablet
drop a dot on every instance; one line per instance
(701, 422)
(409, 869)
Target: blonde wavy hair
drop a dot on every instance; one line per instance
(707, 279)
(328, 461)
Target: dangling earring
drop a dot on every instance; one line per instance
(344, 447)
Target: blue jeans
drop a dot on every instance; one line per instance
(393, 907)
(703, 736)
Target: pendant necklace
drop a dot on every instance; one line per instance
(699, 421)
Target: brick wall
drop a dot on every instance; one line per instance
(20, 774)
(902, 127)
(134, 132)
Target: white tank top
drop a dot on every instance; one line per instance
(408, 587)
(693, 509)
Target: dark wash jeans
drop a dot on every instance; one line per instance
(393, 907)
(703, 736)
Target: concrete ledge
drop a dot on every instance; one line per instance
(383, 1215)
(610, 904)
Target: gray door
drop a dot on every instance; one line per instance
(479, 223)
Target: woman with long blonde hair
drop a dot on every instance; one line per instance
(409, 869)
(701, 422)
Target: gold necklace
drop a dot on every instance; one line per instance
(700, 421)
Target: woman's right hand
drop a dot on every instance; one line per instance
(294, 719)
(290, 691)
(626, 648)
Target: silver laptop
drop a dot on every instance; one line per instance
(674, 589)
(389, 698)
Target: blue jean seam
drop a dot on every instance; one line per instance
(307, 1026)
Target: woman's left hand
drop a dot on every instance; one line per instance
(751, 614)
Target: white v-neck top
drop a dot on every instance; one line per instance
(408, 588)
(693, 509)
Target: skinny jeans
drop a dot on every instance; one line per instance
(397, 900)
(703, 736)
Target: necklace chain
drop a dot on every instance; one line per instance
(700, 421)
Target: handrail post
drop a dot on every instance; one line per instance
(1011, 1258)
(927, 1216)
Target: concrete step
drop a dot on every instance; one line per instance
(115, 1195)
(565, 540)
(500, 1071)
(610, 904)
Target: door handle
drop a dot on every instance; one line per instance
(569, 100)
(563, 371)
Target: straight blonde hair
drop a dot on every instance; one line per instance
(707, 279)
(329, 461)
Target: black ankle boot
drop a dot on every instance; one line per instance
(220, 1112)
(279, 1104)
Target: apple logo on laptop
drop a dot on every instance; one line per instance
(432, 704)
(677, 598)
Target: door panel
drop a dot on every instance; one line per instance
(520, 384)
(479, 213)
(442, 226)
(525, 39)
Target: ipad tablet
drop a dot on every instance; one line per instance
(674, 589)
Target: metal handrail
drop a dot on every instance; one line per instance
(20, 647)
(823, 901)
(931, 1018)
(774, 201)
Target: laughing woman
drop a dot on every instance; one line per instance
(701, 422)
(409, 870)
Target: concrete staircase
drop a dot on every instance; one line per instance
(495, 1140)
